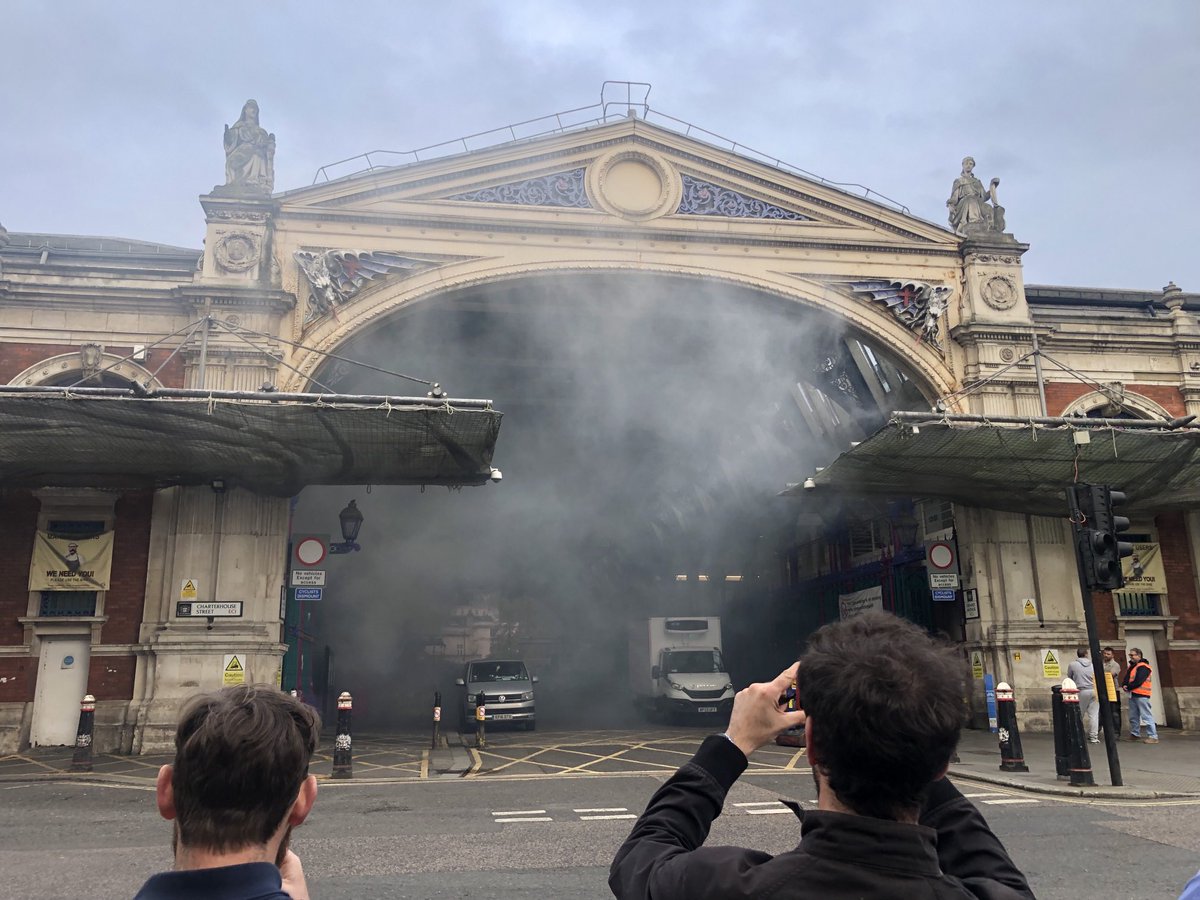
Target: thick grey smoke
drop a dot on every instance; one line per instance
(649, 424)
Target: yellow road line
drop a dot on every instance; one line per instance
(795, 759)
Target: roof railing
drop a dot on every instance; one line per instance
(611, 108)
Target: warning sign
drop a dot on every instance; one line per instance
(189, 589)
(1050, 664)
(1029, 609)
(235, 670)
(977, 664)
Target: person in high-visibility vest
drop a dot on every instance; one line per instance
(1138, 684)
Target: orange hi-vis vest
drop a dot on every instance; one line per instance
(1142, 690)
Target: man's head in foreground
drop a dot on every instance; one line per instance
(884, 705)
(240, 780)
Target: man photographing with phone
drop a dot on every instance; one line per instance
(882, 707)
(237, 788)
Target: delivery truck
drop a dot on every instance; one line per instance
(677, 669)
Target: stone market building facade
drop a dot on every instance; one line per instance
(931, 310)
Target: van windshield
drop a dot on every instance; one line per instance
(693, 662)
(498, 671)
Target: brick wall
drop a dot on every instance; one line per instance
(18, 529)
(126, 598)
(1181, 580)
(16, 358)
(1060, 395)
(111, 677)
(16, 679)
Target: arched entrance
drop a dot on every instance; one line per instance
(651, 420)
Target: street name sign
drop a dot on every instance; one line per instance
(221, 609)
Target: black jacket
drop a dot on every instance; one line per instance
(952, 853)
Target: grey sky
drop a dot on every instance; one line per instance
(1088, 112)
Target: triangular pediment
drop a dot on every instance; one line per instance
(630, 170)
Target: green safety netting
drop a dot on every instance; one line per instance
(1016, 467)
(270, 443)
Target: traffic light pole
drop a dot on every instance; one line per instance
(1089, 617)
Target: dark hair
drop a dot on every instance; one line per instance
(241, 755)
(1110, 650)
(1081, 652)
(886, 704)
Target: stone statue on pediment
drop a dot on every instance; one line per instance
(249, 153)
(974, 209)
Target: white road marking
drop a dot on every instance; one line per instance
(987, 794)
(768, 812)
(526, 819)
(604, 809)
(611, 816)
(1013, 800)
(520, 812)
(759, 803)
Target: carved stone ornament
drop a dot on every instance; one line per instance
(559, 189)
(237, 252)
(833, 373)
(703, 198)
(974, 209)
(90, 357)
(918, 306)
(249, 154)
(336, 276)
(999, 292)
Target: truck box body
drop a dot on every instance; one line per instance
(676, 666)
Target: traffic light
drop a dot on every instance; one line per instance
(1097, 531)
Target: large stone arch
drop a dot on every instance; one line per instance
(933, 370)
(54, 369)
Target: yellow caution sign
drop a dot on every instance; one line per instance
(1050, 664)
(234, 671)
(188, 590)
(1030, 609)
(1111, 685)
(977, 664)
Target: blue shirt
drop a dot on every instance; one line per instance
(247, 881)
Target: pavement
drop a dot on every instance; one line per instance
(1150, 771)
(1168, 769)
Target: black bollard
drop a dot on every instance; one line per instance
(343, 756)
(81, 761)
(437, 719)
(1078, 758)
(1012, 757)
(480, 714)
(1061, 765)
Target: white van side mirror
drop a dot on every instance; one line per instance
(460, 682)
(534, 679)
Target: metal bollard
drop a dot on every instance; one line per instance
(437, 720)
(1078, 758)
(1012, 757)
(1058, 718)
(343, 757)
(480, 714)
(81, 761)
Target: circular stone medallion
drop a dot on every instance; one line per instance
(999, 292)
(634, 184)
(237, 252)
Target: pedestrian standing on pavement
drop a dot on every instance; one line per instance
(881, 705)
(1138, 684)
(237, 788)
(1081, 672)
(1113, 668)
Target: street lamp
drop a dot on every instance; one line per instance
(351, 521)
(905, 527)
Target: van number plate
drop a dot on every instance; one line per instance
(500, 717)
(706, 709)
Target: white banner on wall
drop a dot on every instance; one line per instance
(851, 605)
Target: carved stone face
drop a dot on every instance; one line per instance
(968, 165)
(250, 112)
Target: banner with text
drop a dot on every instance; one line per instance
(851, 605)
(1144, 573)
(71, 564)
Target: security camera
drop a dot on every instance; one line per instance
(496, 475)
(809, 484)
